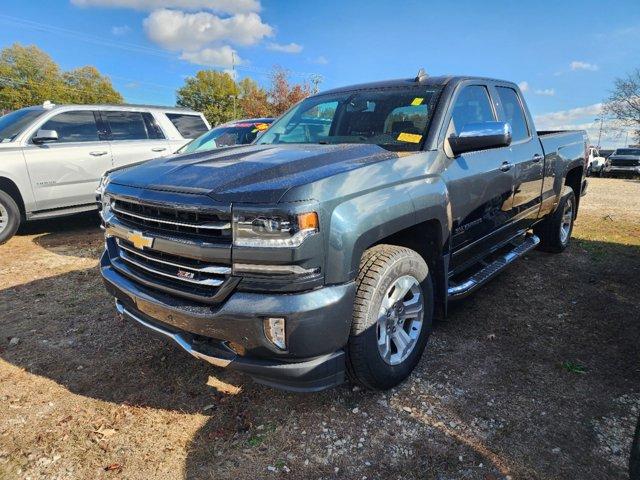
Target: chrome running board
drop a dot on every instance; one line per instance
(464, 288)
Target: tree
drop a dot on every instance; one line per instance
(282, 95)
(624, 102)
(87, 85)
(212, 93)
(28, 76)
(254, 100)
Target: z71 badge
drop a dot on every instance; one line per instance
(185, 274)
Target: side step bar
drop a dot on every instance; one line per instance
(490, 270)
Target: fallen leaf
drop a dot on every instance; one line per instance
(114, 467)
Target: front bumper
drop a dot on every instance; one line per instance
(231, 334)
(612, 170)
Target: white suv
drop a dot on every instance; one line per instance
(53, 156)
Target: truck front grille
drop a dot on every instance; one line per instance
(624, 162)
(214, 226)
(188, 249)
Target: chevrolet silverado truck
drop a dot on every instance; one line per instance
(323, 251)
(623, 162)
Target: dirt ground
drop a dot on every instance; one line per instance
(537, 376)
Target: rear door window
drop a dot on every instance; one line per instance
(126, 125)
(513, 112)
(79, 126)
(189, 126)
(472, 106)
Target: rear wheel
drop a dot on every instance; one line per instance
(9, 217)
(392, 317)
(555, 231)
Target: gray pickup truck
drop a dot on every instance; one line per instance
(324, 250)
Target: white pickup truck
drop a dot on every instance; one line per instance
(53, 156)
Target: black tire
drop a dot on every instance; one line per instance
(549, 230)
(634, 461)
(380, 268)
(9, 217)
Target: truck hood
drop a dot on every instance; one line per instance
(249, 174)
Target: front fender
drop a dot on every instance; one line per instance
(362, 221)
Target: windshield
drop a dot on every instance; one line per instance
(393, 118)
(14, 123)
(226, 136)
(627, 151)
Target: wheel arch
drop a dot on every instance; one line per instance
(573, 179)
(7, 185)
(427, 239)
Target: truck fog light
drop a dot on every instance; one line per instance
(274, 329)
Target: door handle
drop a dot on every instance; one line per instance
(506, 166)
(536, 158)
(158, 149)
(97, 153)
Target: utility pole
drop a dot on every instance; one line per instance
(600, 132)
(626, 140)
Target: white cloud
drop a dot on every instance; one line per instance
(548, 92)
(563, 117)
(321, 60)
(120, 30)
(222, 57)
(221, 6)
(579, 65)
(177, 30)
(524, 86)
(586, 118)
(285, 48)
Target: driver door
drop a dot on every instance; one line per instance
(480, 183)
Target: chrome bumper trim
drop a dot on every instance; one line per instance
(186, 346)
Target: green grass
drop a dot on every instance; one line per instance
(574, 367)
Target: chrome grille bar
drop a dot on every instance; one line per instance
(209, 282)
(206, 226)
(213, 269)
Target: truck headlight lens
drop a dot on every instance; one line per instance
(104, 181)
(277, 230)
(105, 211)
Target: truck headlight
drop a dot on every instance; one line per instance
(104, 181)
(105, 209)
(273, 230)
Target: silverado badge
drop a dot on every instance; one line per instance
(140, 241)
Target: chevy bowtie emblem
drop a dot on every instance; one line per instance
(140, 241)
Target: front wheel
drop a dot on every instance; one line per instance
(9, 217)
(392, 317)
(555, 230)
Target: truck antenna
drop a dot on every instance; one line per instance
(421, 75)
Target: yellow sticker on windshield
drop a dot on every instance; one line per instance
(409, 137)
(262, 126)
(417, 101)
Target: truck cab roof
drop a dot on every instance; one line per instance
(441, 81)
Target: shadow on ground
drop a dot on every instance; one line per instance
(490, 397)
(54, 234)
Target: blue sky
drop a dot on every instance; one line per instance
(564, 53)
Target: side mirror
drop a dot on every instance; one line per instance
(481, 136)
(43, 136)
